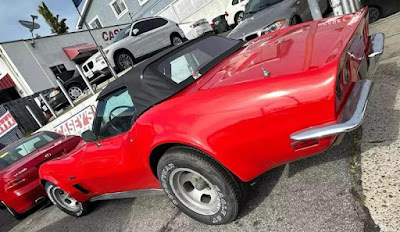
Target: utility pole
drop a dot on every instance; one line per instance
(315, 9)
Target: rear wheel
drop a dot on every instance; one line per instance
(199, 186)
(176, 40)
(65, 202)
(124, 60)
(75, 91)
(374, 14)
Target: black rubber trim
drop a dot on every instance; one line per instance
(80, 188)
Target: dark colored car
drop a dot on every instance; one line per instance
(265, 16)
(381, 8)
(20, 188)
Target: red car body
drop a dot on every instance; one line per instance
(20, 187)
(251, 112)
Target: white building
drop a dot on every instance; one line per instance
(31, 68)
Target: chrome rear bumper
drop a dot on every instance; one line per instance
(352, 117)
(354, 110)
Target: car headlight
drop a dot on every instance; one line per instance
(273, 27)
(54, 93)
(106, 51)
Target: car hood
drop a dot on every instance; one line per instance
(288, 52)
(256, 22)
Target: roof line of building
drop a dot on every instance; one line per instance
(47, 36)
(83, 14)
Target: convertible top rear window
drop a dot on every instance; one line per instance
(183, 64)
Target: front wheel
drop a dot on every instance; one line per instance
(124, 60)
(65, 202)
(374, 14)
(199, 186)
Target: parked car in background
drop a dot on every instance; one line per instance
(96, 69)
(141, 39)
(202, 119)
(20, 188)
(55, 98)
(381, 8)
(235, 11)
(264, 16)
(196, 29)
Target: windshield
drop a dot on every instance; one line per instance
(183, 64)
(256, 5)
(122, 34)
(25, 147)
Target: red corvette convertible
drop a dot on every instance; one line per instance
(19, 164)
(202, 119)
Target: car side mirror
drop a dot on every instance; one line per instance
(89, 137)
(135, 31)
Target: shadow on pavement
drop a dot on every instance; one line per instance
(107, 216)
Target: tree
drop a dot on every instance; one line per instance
(56, 26)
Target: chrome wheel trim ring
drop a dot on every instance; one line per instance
(125, 61)
(65, 200)
(74, 92)
(204, 202)
(176, 41)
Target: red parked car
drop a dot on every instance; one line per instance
(202, 119)
(19, 169)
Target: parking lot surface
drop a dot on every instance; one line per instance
(313, 194)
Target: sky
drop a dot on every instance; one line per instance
(13, 10)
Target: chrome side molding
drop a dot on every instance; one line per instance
(128, 194)
(352, 117)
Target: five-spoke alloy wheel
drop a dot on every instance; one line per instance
(65, 202)
(199, 186)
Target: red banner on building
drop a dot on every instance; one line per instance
(7, 123)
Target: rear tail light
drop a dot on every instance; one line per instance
(177, 24)
(297, 145)
(12, 184)
(226, 13)
(213, 26)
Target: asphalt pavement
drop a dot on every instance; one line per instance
(313, 194)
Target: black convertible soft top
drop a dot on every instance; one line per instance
(147, 86)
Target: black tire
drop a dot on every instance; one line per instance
(73, 91)
(174, 38)
(82, 209)
(225, 186)
(124, 60)
(295, 20)
(239, 17)
(14, 213)
(374, 14)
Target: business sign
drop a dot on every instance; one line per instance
(7, 123)
(78, 123)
